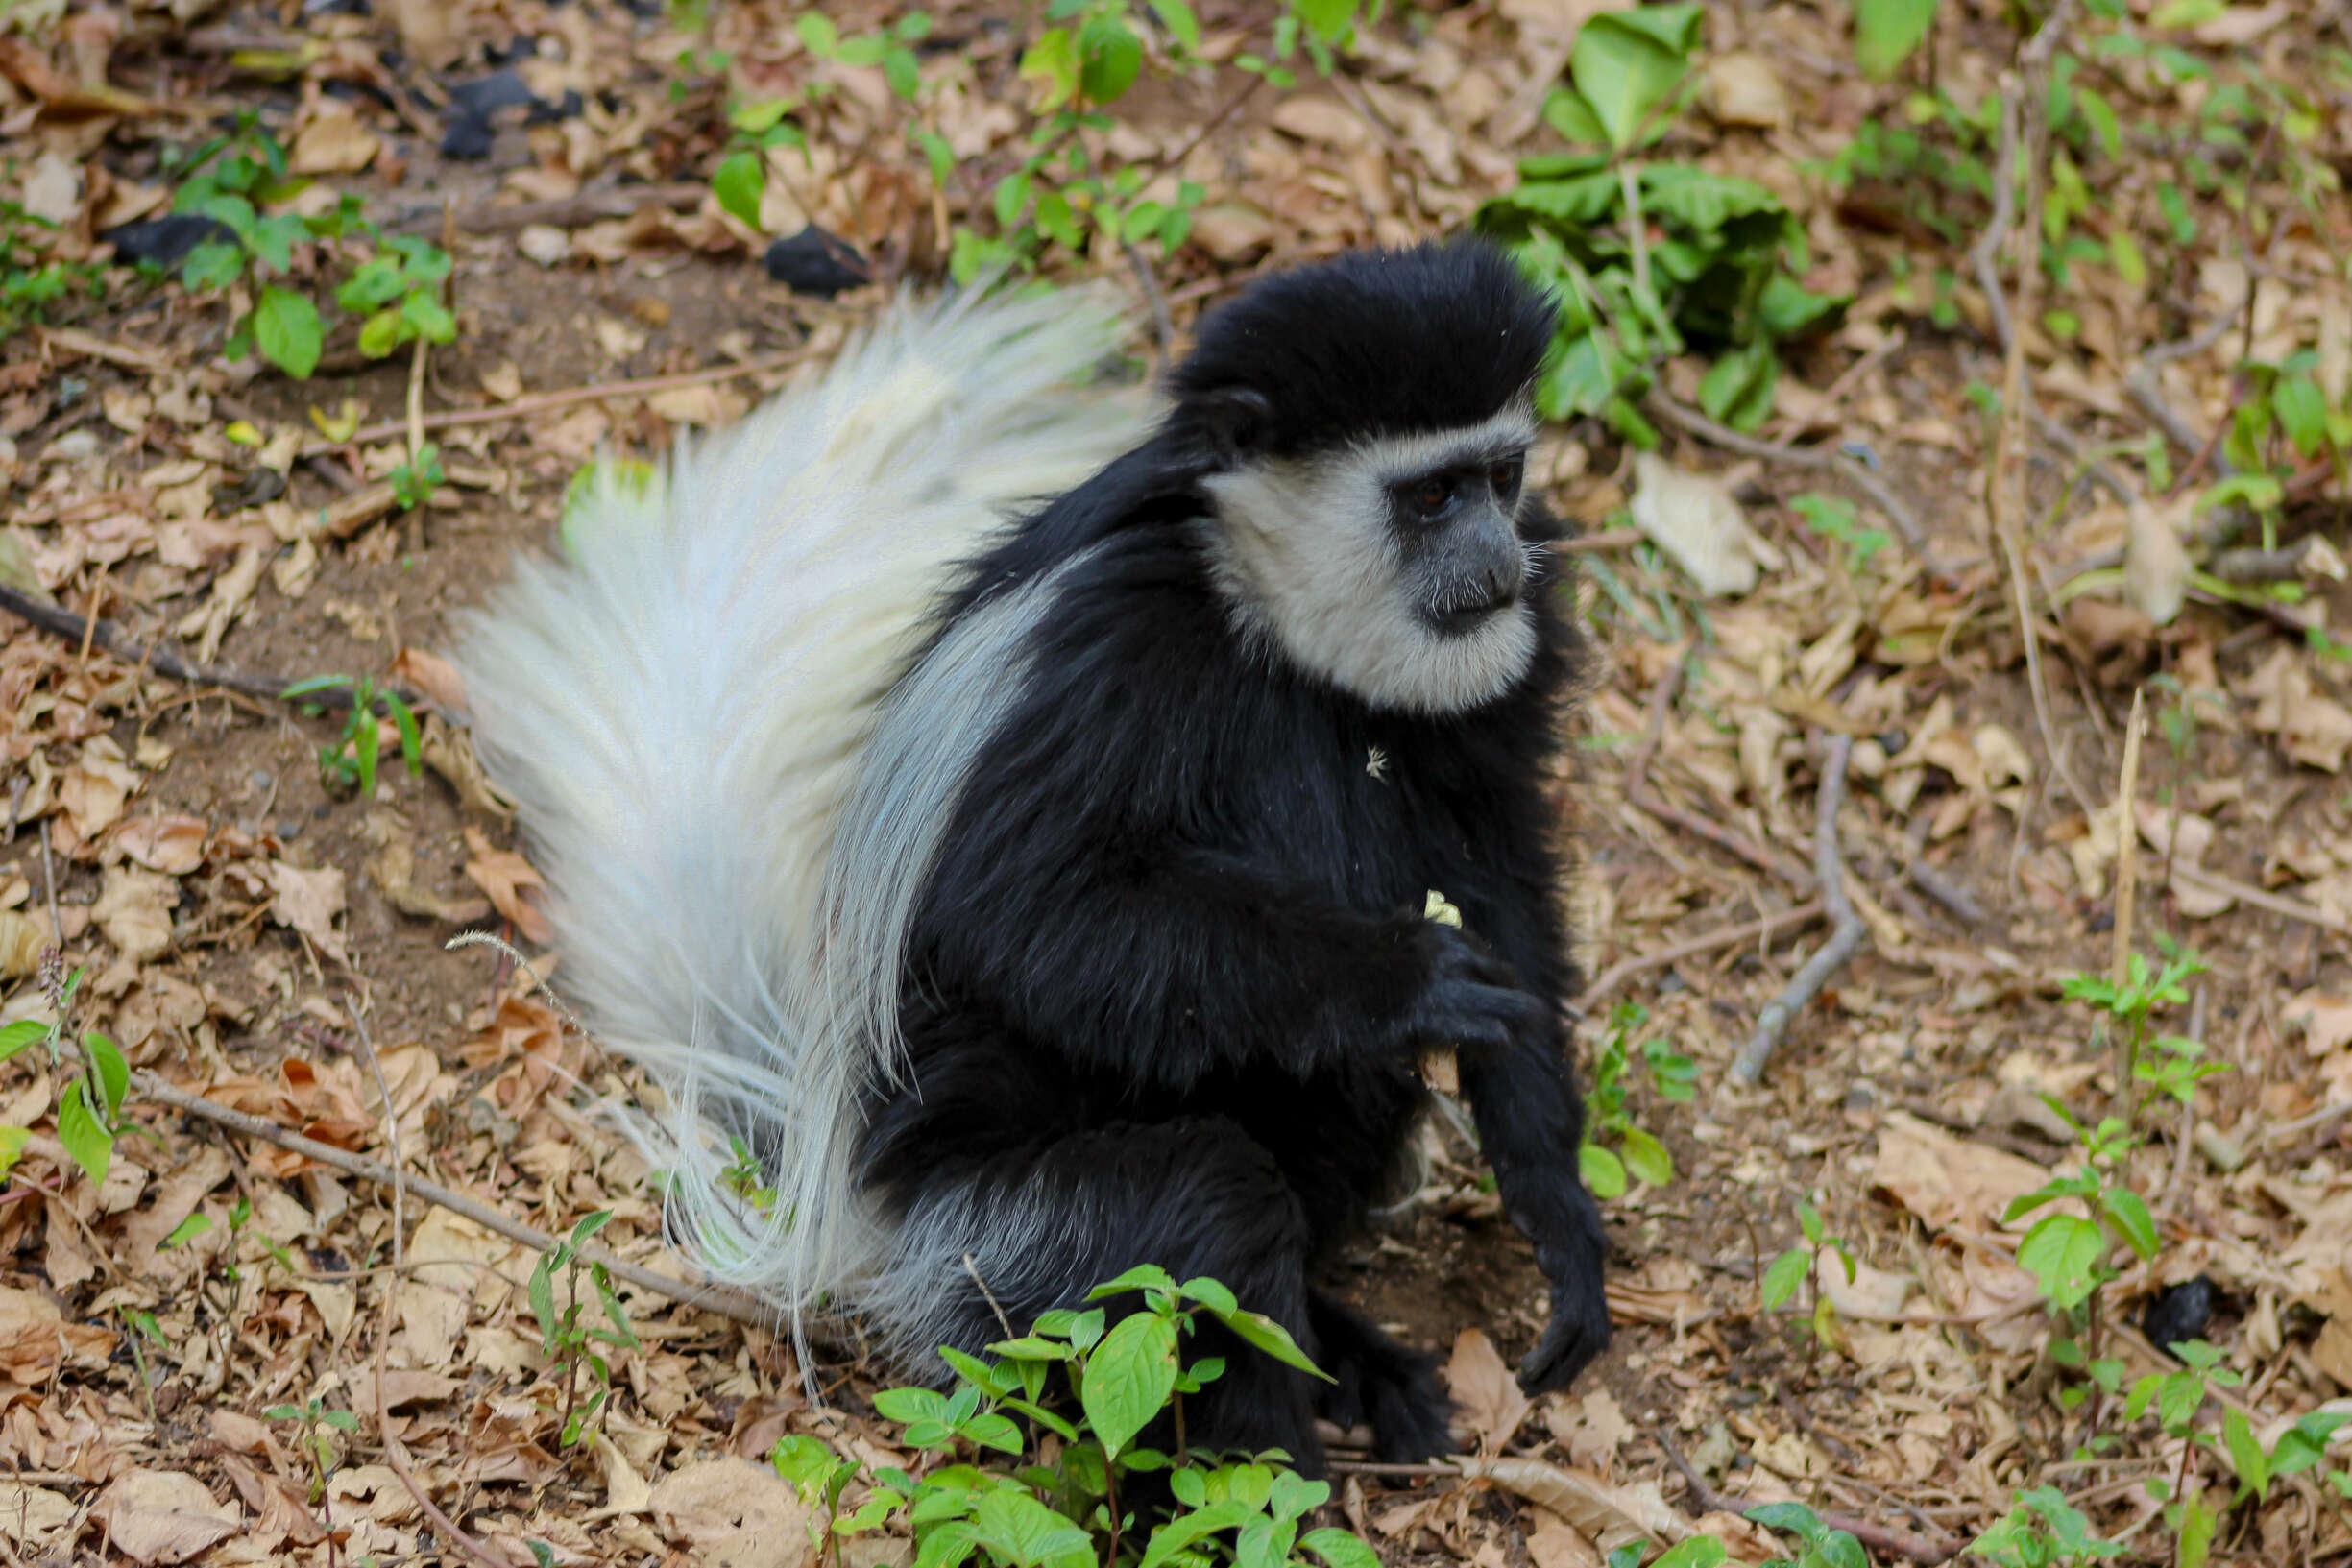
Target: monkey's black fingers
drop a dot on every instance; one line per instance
(1579, 1331)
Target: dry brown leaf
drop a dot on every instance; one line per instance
(1590, 1427)
(135, 909)
(1608, 1517)
(173, 845)
(1702, 529)
(333, 142)
(159, 1516)
(1485, 1391)
(734, 1514)
(508, 879)
(1947, 1180)
(34, 1517)
(1554, 1543)
(308, 902)
(2326, 1020)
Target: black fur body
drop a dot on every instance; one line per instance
(1170, 981)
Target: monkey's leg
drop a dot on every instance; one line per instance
(1390, 1386)
(1044, 1225)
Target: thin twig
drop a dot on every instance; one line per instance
(1826, 458)
(545, 401)
(1731, 936)
(163, 661)
(2259, 897)
(1845, 935)
(1705, 1499)
(716, 1298)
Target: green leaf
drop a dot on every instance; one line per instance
(1786, 1274)
(818, 34)
(1602, 1171)
(903, 71)
(12, 1140)
(113, 1072)
(1265, 1333)
(1626, 62)
(214, 264)
(1181, 1532)
(1182, 23)
(1053, 62)
(1648, 1158)
(1326, 19)
(2130, 1216)
(1697, 1552)
(740, 182)
(1111, 56)
(1792, 1518)
(1737, 391)
(1142, 1277)
(1339, 1550)
(286, 330)
(86, 1137)
(2063, 1251)
(541, 1291)
(1129, 1378)
(2245, 1455)
(2302, 413)
(1566, 111)
(2197, 1527)
(18, 1036)
(2180, 14)
(1885, 31)
(1021, 1529)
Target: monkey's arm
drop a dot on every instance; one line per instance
(1530, 1123)
(1163, 963)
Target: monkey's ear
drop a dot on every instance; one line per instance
(1235, 421)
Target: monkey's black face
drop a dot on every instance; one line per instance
(1457, 530)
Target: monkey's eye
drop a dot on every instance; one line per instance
(1505, 476)
(1430, 495)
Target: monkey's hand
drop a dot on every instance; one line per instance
(1578, 1332)
(1469, 997)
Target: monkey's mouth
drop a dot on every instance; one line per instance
(1464, 617)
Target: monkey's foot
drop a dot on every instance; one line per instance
(1392, 1387)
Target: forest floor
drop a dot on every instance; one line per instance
(210, 1355)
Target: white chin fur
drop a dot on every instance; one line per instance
(1303, 552)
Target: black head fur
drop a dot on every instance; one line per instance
(1373, 343)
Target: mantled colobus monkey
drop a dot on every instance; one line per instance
(1034, 890)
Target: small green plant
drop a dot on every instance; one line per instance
(2177, 1397)
(29, 285)
(1062, 1508)
(1818, 1545)
(397, 291)
(1606, 1117)
(229, 180)
(2043, 1531)
(567, 1336)
(316, 1442)
(1802, 1261)
(413, 482)
(351, 761)
(89, 1110)
(2067, 1251)
(1716, 278)
(1835, 520)
(2130, 1007)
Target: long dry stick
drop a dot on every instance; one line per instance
(1847, 935)
(542, 402)
(716, 1298)
(2127, 892)
(1731, 936)
(88, 632)
(1705, 1499)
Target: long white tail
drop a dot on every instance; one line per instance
(680, 703)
